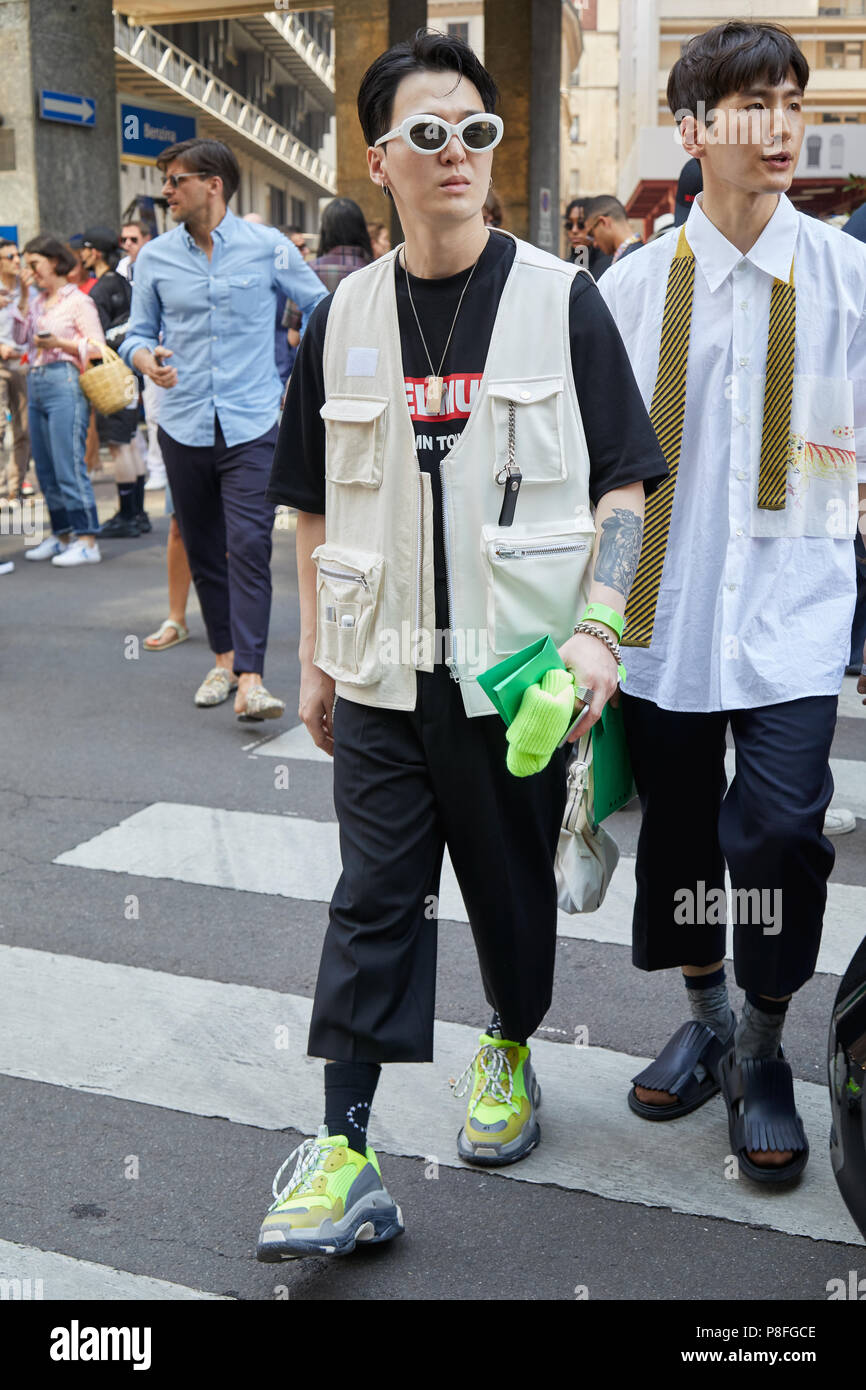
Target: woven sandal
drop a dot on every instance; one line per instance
(216, 687)
(182, 635)
(261, 704)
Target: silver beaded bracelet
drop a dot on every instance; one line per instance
(592, 631)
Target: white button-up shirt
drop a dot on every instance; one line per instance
(755, 607)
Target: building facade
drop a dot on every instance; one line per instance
(263, 83)
(833, 39)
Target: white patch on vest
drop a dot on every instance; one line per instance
(362, 361)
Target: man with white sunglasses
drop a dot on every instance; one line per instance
(448, 429)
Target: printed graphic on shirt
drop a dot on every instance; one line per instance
(458, 396)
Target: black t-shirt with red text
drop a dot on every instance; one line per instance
(621, 441)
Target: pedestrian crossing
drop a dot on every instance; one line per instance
(210, 1048)
(62, 1278)
(294, 857)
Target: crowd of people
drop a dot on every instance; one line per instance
(457, 468)
(61, 303)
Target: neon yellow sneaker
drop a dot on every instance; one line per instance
(334, 1198)
(501, 1125)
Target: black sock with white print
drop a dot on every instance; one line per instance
(349, 1091)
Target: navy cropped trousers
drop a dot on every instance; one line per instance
(766, 827)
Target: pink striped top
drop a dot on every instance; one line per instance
(72, 315)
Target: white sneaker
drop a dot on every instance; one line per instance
(838, 821)
(155, 481)
(45, 550)
(7, 566)
(78, 554)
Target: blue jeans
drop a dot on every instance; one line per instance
(58, 431)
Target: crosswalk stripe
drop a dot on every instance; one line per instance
(851, 704)
(204, 1047)
(292, 857)
(28, 1273)
(849, 774)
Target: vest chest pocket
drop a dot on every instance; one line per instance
(354, 439)
(347, 593)
(538, 448)
(534, 580)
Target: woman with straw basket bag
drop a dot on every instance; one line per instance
(58, 328)
(112, 388)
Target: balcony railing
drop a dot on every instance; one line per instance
(289, 27)
(154, 55)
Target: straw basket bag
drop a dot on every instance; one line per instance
(110, 386)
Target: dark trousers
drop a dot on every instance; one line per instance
(767, 829)
(219, 502)
(405, 785)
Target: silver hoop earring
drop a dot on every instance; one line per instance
(386, 191)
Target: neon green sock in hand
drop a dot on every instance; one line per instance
(545, 713)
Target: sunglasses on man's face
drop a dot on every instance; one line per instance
(174, 180)
(430, 134)
(10, 256)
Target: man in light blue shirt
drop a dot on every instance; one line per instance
(204, 296)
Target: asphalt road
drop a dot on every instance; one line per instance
(91, 736)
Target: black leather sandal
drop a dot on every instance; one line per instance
(674, 1071)
(762, 1115)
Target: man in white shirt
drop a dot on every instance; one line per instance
(746, 331)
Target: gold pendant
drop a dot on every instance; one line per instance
(434, 386)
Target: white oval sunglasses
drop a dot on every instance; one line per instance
(428, 134)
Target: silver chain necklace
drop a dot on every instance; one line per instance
(434, 382)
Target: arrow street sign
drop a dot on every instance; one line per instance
(61, 106)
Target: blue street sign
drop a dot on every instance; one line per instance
(63, 106)
(145, 131)
(9, 234)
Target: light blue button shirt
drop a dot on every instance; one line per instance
(217, 316)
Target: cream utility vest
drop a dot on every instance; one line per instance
(507, 585)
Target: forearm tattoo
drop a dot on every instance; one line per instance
(619, 550)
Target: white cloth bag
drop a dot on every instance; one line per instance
(586, 855)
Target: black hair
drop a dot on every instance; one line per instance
(429, 51)
(209, 157)
(5, 242)
(343, 224)
(54, 250)
(731, 58)
(605, 205)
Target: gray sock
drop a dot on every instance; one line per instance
(758, 1033)
(712, 1007)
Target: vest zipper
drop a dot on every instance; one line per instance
(446, 535)
(353, 576)
(507, 552)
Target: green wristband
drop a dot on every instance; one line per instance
(605, 615)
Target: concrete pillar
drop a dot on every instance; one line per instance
(65, 177)
(364, 29)
(522, 51)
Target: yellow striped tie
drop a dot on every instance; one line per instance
(778, 394)
(668, 411)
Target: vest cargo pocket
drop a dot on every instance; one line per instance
(347, 592)
(354, 439)
(538, 448)
(534, 580)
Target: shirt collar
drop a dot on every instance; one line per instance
(222, 230)
(716, 256)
